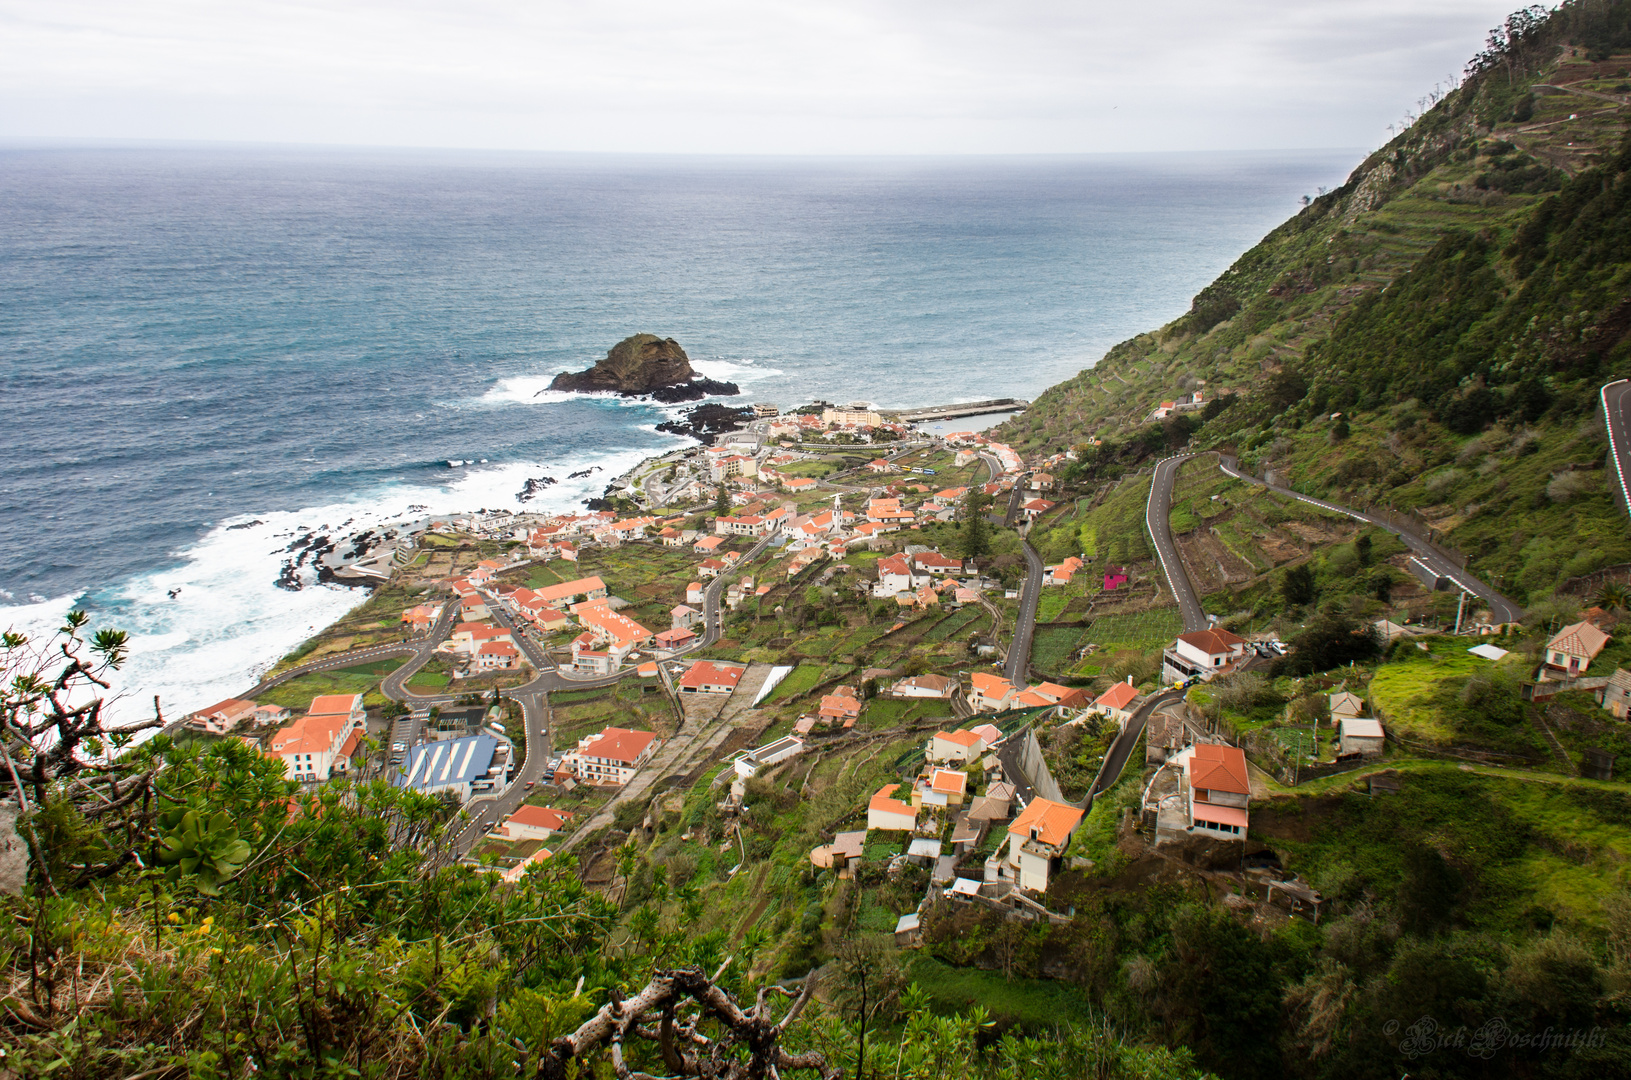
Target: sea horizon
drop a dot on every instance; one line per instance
(218, 347)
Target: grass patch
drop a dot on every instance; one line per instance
(1052, 648)
(1411, 693)
(1034, 1004)
(798, 681)
(1517, 843)
(956, 624)
(1144, 631)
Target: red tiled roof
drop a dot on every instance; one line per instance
(1579, 639)
(1052, 821)
(539, 817)
(961, 738)
(1118, 696)
(566, 590)
(1219, 768)
(1212, 642)
(885, 801)
(708, 673)
(326, 704)
(619, 744)
(988, 685)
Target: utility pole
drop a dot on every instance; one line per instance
(1459, 604)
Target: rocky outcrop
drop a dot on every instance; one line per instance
(644, 365)
(706, 422)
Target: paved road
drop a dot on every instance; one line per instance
(1156, 513)
(421, 647)
(1018, 668)
(1501, 609)
(1122, 749)
(1617, 415)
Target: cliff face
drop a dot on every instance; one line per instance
(1456, 305)
(644, 364)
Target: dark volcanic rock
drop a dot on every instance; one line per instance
(533, 487)
(695, 390)
(640, 365)
(705, 422)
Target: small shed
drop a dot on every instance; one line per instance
(967, 833)
(1345, 703)
(964, 889)
(923, 852)
(908, 930)
(845, 849)
(1359, 735)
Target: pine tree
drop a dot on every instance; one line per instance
(976, 536)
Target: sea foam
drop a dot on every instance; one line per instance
(228, 622)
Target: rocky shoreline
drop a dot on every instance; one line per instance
(705, 423)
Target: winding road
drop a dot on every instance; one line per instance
(1501, 609)
(1115, 760)
(1157, 519)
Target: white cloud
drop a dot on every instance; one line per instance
(730, 75)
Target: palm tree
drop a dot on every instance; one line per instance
(1613, 596)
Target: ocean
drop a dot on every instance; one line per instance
(206, 352)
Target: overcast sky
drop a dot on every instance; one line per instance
(734, 76)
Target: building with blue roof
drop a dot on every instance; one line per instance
(464, 766)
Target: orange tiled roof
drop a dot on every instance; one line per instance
(325, 704)
(1053, 822)
(1212, 642)
(1118, 696)
(1219, 768)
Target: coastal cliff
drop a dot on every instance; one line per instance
(644, 365)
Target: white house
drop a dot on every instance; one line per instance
(926, 686)
(1203, 653)
(896, 574)
(1573, 648)
(1037, 840)
(990, 693)
(748, 764)
(589, 660)
(1116, 702)
(884, 811)
(960, 747)
(1344, 704)
(1215, 789)
(321, 743)
(533, 823)
(610, 758)
(497, 656)
(222, 717)
(708, 677)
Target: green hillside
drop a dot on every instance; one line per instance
(1429, 336)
